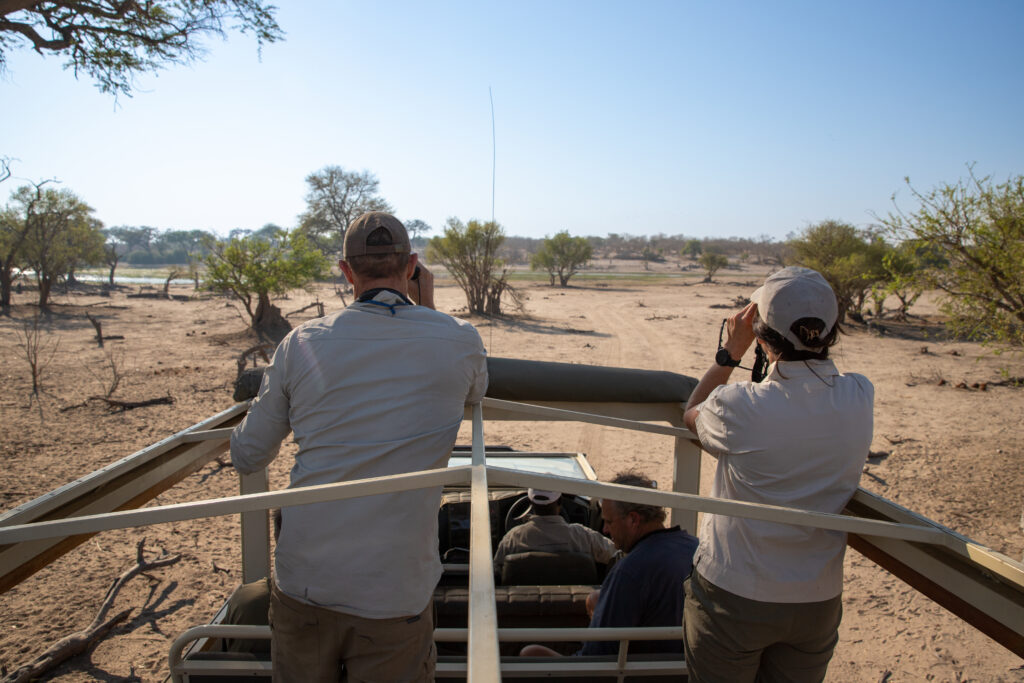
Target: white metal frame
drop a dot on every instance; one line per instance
(1002, 578)
(619, 665)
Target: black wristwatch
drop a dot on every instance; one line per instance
(725, 360)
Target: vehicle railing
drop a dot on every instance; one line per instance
(999, 599)
(618, 665)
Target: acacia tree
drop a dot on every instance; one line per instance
(712, 262)
(977, 228)
(250, 269)
(114, 40)
(544, 260)
(470, 253)
(692, 248)
(88, 247)
(13, 229)
(113, 250)
(848, 258)
(905, 266)
(562, 255)
(416, 228)
(60, 233)
(337, 197)
(15, 222)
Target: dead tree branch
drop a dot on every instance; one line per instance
(340, 291)
(318, 305)
(99, 328)
(173, 275)
(261, 349)
(80, 641)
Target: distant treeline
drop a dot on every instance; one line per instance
(660, 247)
(145, 246)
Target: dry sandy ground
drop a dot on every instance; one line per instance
(954, 454)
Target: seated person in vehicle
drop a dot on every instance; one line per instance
(546, 532)
(645, 588)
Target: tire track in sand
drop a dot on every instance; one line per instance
(634, 342)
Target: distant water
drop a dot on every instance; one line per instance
(118, 280)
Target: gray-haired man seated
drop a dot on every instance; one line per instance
(645, 588)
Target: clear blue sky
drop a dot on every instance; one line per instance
(707, 119)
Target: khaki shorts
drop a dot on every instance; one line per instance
(312, 643)
(732, 639)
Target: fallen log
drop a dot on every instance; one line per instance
(80, 641)
(114, 404)
(158, 295)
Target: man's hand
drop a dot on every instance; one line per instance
(421, 290)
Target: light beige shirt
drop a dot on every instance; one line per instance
(370, 391)
(552, 534)
(798, 439)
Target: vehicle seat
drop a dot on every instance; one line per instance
(536, 568)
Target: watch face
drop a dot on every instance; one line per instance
(725, 360)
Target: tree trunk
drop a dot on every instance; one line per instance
(6, 281)
(113, 267)
(45, 283)
(267, 320)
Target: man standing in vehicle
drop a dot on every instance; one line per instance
(374, 390)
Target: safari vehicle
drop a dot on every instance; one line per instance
(481, 622)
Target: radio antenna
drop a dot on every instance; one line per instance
(494, 152)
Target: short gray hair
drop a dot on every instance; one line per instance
(648, 513)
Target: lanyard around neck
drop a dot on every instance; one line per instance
(367, 297)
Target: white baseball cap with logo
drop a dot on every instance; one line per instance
(794, 293)
(543, 497)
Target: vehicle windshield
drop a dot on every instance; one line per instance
(562, 465)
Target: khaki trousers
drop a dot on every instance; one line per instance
(312, 643)
(732, 639)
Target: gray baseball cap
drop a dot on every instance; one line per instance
(794, 293)
(361, 228)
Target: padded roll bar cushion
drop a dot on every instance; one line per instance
(512, 379)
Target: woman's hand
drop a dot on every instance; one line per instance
(740, 331)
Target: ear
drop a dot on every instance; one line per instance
(411, 268)
(347, 270)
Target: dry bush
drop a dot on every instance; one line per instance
(38, 350)
(110, 371)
